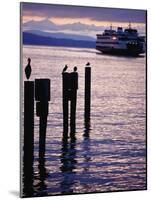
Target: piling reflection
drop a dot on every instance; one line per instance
(87, 128)
(86, 145)
(28, 178)
(42, 176)
(68, 161)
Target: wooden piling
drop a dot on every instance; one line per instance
(69, 90)
(28, 121)
(65, 116)
(73, 113)
(42, 95)
(87, 93)
(73, 99)
(28, 136)
(65, 102)
(42, 135)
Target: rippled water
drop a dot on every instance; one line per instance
(111, 156)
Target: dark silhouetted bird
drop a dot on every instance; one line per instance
(65, 68)
(28, 69)
(75, 69)
(87, 64)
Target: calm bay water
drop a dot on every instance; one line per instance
(112, 156)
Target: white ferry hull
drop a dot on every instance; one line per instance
(118, 51)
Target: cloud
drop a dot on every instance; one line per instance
(93, 13)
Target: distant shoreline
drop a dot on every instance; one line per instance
(57, 46)
(37, 40)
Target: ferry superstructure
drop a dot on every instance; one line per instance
(127, 42)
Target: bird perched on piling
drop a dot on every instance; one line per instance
(65, 68)
(28, 69)
(75, 69)
(87, 64)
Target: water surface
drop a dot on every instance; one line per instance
(110, 155)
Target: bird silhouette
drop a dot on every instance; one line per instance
(87, 64)
(75, 69)
(28, 69)
(65, 68)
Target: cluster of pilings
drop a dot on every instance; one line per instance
(39, 91)
(69, 91)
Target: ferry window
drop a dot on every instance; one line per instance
(99, 37)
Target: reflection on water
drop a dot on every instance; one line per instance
(108, 154)
(41, 186)
(68, 161)
(86, 146)
(28, 179)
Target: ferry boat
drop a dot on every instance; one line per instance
(125, 42)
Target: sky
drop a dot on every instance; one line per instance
(76, 20)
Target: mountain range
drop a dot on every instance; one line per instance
(48, 25)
